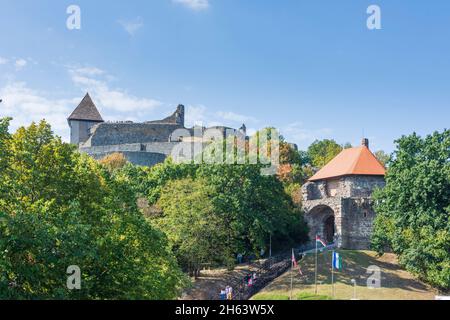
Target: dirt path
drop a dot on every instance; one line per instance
(210, 282)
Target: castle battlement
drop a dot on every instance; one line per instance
(146, 143)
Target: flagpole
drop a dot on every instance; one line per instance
(332, 272)
(292, 276)
(315, 278)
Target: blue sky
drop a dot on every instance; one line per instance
(310, 68)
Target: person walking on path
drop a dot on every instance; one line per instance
(223, 294)
(229, 291)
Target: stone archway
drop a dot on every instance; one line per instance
(329, 229)
(321, 222)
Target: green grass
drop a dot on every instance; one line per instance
(396, 283)
(308, 296)
(270, 296)
(301, 296)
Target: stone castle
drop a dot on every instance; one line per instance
(338, 199)
(146, 144)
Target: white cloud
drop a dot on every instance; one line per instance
(196, 115)
(200, 115)
(3, 60)
(89, 71)
(116, 100)
(26, 105)
(132, 26)
(20, 63)
(197, 5)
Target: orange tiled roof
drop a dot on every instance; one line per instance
(353, 161)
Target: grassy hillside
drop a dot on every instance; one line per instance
(396, 284)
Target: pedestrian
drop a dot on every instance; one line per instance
(223, 294)
(230, 293)
(239, 258)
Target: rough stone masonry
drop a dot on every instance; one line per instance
(146, 144)
(338, 200)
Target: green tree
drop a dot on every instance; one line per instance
(322, 152)
(413, 209)
(189, 220)
(245, 208)
(253, 206)
(383, 157)
(114, 161)
(4, 153)
(161, 174)
(63, 208)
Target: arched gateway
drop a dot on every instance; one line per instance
(321, 221)
(337, 199)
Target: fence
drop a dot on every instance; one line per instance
(267, 271)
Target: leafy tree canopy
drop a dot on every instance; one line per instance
(62, 208)
(383, 157)
(323, 151)
(413, 209)
(244, 206)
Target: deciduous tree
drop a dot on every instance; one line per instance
(413, 209)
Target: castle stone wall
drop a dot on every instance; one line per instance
(357, 223)
(351, 206)
(157, 147)
(147, 159)
(79, 130)
(361, 186)
(106, 134)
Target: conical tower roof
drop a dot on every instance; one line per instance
(86, 111)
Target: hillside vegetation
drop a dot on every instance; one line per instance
(396, 283)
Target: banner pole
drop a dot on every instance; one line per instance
(292, 277)
(332, 273)
(315, 278)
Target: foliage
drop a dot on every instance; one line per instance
(211, 212)
(191, 224)
(63, 208)
(289, 154)
(238, 208)
(383, 157)
(254, 206)
(309, 296)
(413, 209)
(114, 161)
(270, 297)
(322, 152)
(294, 191)
(163, 173)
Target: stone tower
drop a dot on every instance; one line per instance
(338, 199)
(82, 119)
